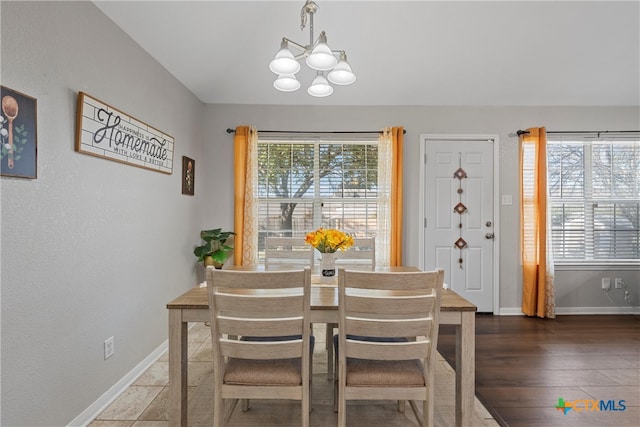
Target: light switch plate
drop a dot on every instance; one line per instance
(507, 200)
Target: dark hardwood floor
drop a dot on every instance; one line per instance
(525, 365)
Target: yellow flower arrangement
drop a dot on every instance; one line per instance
(329, 240)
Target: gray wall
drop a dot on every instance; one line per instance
(91, 248)
(579, 293)
(94, 248)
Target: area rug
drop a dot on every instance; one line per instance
(278, 413)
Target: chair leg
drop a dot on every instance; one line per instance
(335, 394)
(229, 411)
(310, 384)
(218, 412)
(342, 412)
(428, 413)
(306, 409)
(422, 421)
(311, 349)
(328, 334)
(329, 346)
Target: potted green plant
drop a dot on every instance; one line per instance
(215, 250)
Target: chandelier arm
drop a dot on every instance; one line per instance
(305, 48)
(298, 45)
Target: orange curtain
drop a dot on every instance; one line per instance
(240, 142)
(537, 265)
(395, 257)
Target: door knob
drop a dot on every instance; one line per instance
(489, 236)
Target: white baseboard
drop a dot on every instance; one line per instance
(96, 408)
(510, 311)
(516, 311)
(597, 310)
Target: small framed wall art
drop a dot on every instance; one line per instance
(188, 176)
(18, 134)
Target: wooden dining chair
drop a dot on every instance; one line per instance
(288, 252)
(269, 312)
(388, 337)
(360, 256)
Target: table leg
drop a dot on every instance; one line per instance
(465, 369)
(178, 334)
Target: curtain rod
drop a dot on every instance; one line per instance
(229, 130)
(523, 132)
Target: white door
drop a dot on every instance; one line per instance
(459, 216)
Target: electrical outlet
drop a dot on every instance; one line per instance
(606, 283)
(108, 348)
(618, 283)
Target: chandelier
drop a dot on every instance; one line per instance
(318, 56)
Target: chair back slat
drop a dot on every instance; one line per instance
(250, 327)
(288, 251)
(400, 328)
(261, 350)
(387, 305)
(277, 304)
(274, 279)
(372, 350)
(360, 256)
(404, 280)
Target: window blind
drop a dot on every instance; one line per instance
(594, 199)
(310, 183)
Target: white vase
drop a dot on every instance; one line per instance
(328, 264)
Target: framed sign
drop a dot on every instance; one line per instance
(18, 135)
(107, 132)
(188, 176)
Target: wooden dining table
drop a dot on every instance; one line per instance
(193, 306)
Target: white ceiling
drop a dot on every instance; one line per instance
(473, 53)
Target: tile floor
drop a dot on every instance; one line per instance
(144, 403)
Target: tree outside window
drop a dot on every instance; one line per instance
(303, 185)
(594, 196)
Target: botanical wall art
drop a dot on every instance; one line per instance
(18, 134)
(107, 132)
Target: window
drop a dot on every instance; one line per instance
(594, 199)
(306, 184)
